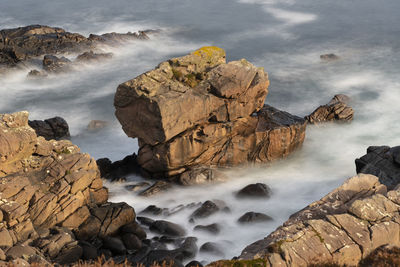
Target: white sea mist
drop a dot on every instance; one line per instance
(284, 37)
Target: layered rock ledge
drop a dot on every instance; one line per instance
(53, 205)
(346, 225)
(198, 110)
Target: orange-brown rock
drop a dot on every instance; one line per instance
(336, 110)
(198, 110)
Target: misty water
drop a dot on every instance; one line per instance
(285, 37)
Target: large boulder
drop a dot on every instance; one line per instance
(342, 228)
(198, 110)
(51, 185)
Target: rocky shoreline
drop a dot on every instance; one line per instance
(192, 115)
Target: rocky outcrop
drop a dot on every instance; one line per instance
(23, 43)
(343, 227)
(336, 110)
(383, 162)
(51, 197)
(54, 128)
(198, 110)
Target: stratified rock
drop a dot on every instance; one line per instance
(50, 196)
(54, 128)
(254, 217)
(342, 228)
(336, 110)
(383, 162)
(258, 190)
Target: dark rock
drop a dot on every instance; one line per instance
(257, 190)
(156, 188)
(167, 228)
(36, 74)
(134, 228)
(329, 57)
(91, 56)
(54, 128)
(114, 244)
(383, 162)
(156, 245)
(89, 252)
(144, 220)
(169, 257)
(106, 253)
(152, 210)
(211, 228)
(20, 251)
(336, 110)
(131, 241)
(140, 255)
(69, 255)
(189, 248)
(194, 264)
(212, 248)
(55, 64)
(254, 217)
(118, 169)
(207, 209)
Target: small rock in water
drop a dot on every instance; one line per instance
(158, 187)
(211, 228)
(212, 248)
(254, 217)
(134, 228)
(55, 64)
(258, 190)
(91, 56)
(153, 210)
(137, 187)
(336, 110)
(144, 220)
(97, 125)
(167, 228)
(207, 209)
(329, 57)
(194, 264)
(189, 248)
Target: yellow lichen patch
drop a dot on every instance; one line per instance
(210, 51)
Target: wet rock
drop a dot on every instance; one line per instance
(156, 188)
(144, 220)
(202, 111)
(137, 187)
(95, 125)
(336, 110)
(56, 64)
(37, 74)
(54, 128)
(194, 264)
(189, 248)
(201, 176)
(134, 228)
(114, 244)
(254, 217)
(207, 209)
(329, 57)
(258, 190)
(167, 228)
(211, 228)
(91, 56)
(212, 248)
(131, 241)
(152, 210)
(169, 257)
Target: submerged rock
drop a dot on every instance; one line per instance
(207, 209)
(254, 217)
(211, 228)
(167, 228)
(198, 110)
(258, 190)
(336, 110)
(329, 57)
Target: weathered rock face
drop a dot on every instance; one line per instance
(343, 227)
(199, 110)
(22, 43)
(336, 110)
(49, 184)
(383, 162)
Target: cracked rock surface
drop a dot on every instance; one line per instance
(198, 110)
(343, 227)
